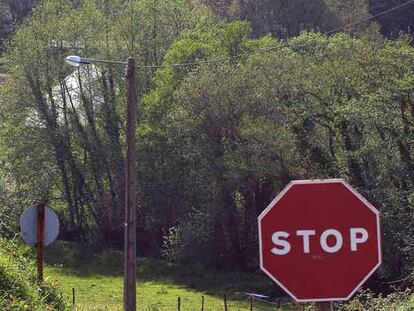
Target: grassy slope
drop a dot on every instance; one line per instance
(19, 290)
(98, 283)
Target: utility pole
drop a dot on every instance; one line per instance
(130, 248)
(130, 238)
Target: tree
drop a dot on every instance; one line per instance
(285, 18)
(238, 131)
(394, 22)
(80, 129)
(12, 13)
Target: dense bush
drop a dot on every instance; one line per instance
(366, 300)
(233, 135)
(18, 287)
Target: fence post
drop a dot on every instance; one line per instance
(202, 303)
(225, 302)
(179, 304)
(251, 303)
(73, 296)
(324, 306)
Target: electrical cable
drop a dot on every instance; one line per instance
(370, 17)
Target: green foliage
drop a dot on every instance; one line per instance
(185, 242)
(12, 13)
(225, 122)
(161, 165)
(350, 12)
(285, 18)
(18, 287)
(394, 22)
(68, 130)
(236, 132)
(366, 300)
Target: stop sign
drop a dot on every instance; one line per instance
(319, 240)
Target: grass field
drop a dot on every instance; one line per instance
(98, 284)
(95, 292)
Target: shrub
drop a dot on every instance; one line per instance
(185, 242)
(19, 290)
(366, 300)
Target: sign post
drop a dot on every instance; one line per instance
(324, 306)
(319, 241)
(39, 226)
(40, 238)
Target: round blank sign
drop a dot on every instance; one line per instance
(28, 225)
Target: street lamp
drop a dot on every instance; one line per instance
(130, 262)
(76, 61)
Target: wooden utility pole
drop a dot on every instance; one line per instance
(324, 306)
(130, 262)
(40, 237)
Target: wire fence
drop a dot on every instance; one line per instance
(204, 303)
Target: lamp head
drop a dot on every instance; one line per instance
(76, 61)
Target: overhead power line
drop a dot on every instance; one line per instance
(227, 58)
(370, 17)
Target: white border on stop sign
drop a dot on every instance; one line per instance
(320, 181)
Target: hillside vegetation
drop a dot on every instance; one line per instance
(236, 99)
(276, 16)
(19, 290)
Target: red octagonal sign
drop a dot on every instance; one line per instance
(319, 240)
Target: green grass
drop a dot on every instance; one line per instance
(98, 283)
(94, 292)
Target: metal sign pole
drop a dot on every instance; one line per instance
(130, 262)
(40, 230)
(324, 306)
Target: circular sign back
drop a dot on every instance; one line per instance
(28, 225)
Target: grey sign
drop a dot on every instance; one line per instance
(28, 225)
